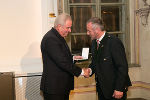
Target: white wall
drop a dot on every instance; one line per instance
(145, 53)
(140, 75)
(22, 26)
(20, 35)
(145, 48)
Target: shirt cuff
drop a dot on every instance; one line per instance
(90, 71)
(82, 73)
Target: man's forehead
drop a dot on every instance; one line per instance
(68, 20)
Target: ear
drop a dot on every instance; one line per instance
(58, 25)
(97, 30)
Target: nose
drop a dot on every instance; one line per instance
(69, 30)
(87, 33)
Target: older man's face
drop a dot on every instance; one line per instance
(66, 29)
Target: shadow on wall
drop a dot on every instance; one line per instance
(31, 64)
(31, 61)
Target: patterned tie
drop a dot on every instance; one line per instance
(97, 44)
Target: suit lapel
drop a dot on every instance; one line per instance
(102, 45)
(66, 45)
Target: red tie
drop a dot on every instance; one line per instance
(97, 44)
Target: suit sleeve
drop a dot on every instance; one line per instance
(92, 65)
(56, 52)
(120, 64)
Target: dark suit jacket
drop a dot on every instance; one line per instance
(58, 68)
(110, 65)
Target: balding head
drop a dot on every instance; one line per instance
(96, 23)
(61, 19)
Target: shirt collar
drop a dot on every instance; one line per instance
(101, 37)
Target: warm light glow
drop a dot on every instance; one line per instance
(52, 15)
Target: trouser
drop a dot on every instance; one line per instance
(101, 95)
(56, 96)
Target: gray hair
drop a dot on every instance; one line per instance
(61, 19)
(96, 22)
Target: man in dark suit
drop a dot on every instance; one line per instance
(109, 62)
(58, 67)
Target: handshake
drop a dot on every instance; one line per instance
(86, 72)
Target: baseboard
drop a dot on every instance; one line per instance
(136, 99)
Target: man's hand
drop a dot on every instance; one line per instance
(77, 57)
(117, 94)
(86, 72)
